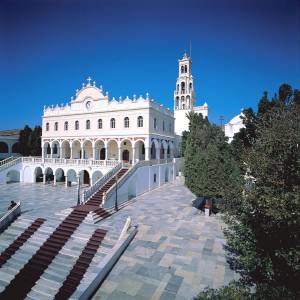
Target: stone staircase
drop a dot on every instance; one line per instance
(49, 259)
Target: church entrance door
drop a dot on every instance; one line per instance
(102, 154)
(125, 155)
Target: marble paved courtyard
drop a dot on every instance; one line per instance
(176, 253)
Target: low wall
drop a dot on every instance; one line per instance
(144, 179)
(105, 266)
(10, 216)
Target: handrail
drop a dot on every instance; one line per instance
(95, 187)
(10, 163)
(141, 163)
(6, 160)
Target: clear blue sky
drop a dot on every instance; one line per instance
(239, 49)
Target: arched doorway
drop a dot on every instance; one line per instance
(38, 174)
(102, 154)
(87, 150)
(112, 150)
(125, 155)
(66, 149)
(84, 177)
(60, 175)
(139, 150)
(153, 151)
(76, 150)
(71, 176)
(49, 175)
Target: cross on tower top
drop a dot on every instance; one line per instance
(89, 80)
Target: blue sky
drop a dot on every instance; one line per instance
(239, 49)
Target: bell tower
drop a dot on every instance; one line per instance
(184, 96)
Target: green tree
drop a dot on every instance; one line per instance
(30, 141)
(209, 168)
(263, 224)
(24, 140)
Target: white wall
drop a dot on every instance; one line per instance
(142, 181)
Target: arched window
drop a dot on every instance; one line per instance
(88, 124)
(100, 124)
(155, 123)
(140, 121)
(76, 125)
(182, 87)
(55, 149)
(66, 125)
(185, 68)
(183, 106)
(56, 126)
(182, 69)
(177, 103)
(3, 147)
(163, 125)
(191, 86)
(112, 123)
(47, 126)
(126, 122)
(177, 88)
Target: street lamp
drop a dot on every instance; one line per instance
(78, 191)
(116, 200)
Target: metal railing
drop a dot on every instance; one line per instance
(139, 164)
(10, 162)
(72, 161)
(96, 186)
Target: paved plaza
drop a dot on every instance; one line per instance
(176, 253)
(37, 199)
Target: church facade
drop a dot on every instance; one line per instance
(92, 126)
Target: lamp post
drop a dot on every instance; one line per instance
(116, 200)
(78, 191)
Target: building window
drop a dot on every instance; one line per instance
(182, 69)
(191, 86)
(140, 121)
(182, 87)
(100, 124)
(47, 126)
(126, 122)
(55, 126)
(163, 125)
(154, 178)
(76, 125)
(88, 124)
(66, 125)
(155, 123)
(112, 123)
(185, 69)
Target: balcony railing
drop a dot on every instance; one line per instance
(73, 162)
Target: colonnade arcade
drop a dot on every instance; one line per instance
(128, 149)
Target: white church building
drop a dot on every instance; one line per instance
(85, 139)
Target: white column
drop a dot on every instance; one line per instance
(106, 153)
(54, 181)
(51, 152)
(165, 153)
(60, 152)
(44, 178)
(94, 152)
(71, 152)
(157, 150)
(120, 153)
(133, 155)
(43, 152)
(147, 153)
(82, 153)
